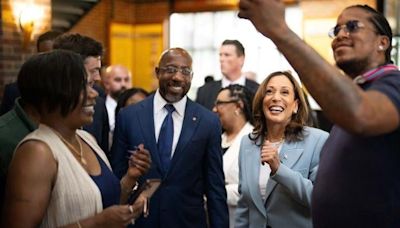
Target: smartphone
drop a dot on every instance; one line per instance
(147, 188)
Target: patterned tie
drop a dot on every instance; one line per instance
(166, 138)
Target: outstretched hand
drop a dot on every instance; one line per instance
(268, 16)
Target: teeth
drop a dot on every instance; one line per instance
(276, 109)
(88, 108)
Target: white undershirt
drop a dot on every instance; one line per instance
(265, 172)
(160, 113)
(240, 81)
(111, 104)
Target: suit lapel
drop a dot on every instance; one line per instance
(253, 176)
(146, 121)
(289, 155)
(189, 126)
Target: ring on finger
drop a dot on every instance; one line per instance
(130, 209)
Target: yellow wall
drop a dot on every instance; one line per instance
(137, 47)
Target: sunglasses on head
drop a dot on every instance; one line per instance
(350, 27)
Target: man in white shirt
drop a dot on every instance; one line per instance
(117, 79)
(231, 58)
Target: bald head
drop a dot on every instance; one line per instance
(174, 73)
(117, 79)
(172, 53)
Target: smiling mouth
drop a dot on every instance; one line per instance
(176, 89)
(88, 109)
(276, 109)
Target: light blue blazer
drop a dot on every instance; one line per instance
(288, 192)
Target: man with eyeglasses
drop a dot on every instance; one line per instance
(231, 59)
(184, 140)
(358, 181)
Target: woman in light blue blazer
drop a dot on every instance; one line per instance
(278, 161)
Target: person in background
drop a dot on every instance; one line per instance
(208, 78)
(117, 79)
(91, 52)
(19, 117)
(184, 140)
(251, 75)
(77, 188)
(231, 59)
(44, 43)
(129, 97)
(362, 99)
(278, 161)
(233, 107)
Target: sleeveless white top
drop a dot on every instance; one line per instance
(75, 195)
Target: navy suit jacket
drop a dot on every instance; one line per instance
(195, 169)
(207, 94)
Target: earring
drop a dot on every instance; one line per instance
(295, 112)
(380, 47)
(236, 112)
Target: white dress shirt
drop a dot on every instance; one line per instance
(160, 113)
(239, 81)
(111, 104)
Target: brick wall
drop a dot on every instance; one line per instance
(12, 54)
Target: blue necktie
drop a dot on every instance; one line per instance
(166, 138)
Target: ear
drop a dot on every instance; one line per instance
(384, 43)
(241, 60)
(157, 71)
(240, 104)
(296, 106)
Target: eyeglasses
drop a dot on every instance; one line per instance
(350, 27)
(172, 70)
(219, 102)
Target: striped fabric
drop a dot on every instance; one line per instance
(75, 196)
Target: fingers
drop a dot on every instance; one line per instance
(141, 160)
(244, 9)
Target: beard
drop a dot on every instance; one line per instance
(117, 94)
(353, 67)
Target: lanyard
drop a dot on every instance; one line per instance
(375, 74)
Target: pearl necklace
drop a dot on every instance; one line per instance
(72, 148)
(277, 143)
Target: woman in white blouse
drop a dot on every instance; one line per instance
(233, 106)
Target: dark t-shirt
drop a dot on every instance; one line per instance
(358, 181)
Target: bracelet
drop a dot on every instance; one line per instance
(129, 190)
(78, 224)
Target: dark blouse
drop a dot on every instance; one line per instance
(108, 184)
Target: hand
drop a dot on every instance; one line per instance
(139, 162)
(119, 215)
(269, 154)
(268, 16)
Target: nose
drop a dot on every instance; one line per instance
(343, 31)
(276, 96)
(92, 93)
(179, 76)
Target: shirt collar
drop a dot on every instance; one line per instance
(375, 73)
(240, 81)
(160, 102)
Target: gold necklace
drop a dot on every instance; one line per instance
(72, 148)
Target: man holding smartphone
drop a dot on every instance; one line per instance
(184, 141)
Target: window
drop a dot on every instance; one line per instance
(202, 34)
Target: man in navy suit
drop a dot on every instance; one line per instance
(231, 59)
(195, 168)
(91, 52)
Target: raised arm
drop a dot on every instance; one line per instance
(345, 104)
